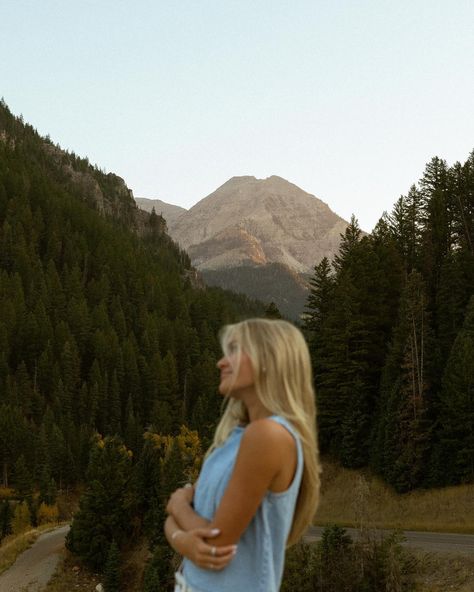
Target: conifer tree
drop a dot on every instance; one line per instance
(404, 424)
(104, 508)
(147, 490)
(406, 224)
(159, 571)
(272, 312)
(172, 470)
(112, 569)
(6, 516)
(23, 480)
(317, 323)
(320, 297)
(454, 452)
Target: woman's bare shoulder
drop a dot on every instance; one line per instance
(267, 433)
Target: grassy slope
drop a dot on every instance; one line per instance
(350, 497)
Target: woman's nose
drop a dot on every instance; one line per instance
(221, 363)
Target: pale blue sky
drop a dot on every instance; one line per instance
(347, 99)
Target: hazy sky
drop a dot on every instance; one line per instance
(347, 99)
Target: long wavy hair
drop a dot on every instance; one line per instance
(284, 385)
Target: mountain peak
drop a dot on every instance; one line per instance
(271, 218)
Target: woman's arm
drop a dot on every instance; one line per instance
(191, 545)
(259, 460)
(179, 507)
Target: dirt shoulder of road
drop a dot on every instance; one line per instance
(34, 566)
(71, 575)
(13, 546)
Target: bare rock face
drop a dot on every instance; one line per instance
(106, 193)
(169, 212)
(249, 221)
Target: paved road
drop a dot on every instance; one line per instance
(33, 568)
(428, 541)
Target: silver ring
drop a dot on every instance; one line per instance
(213, 551)
(188, 485)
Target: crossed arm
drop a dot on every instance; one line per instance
(258, 463)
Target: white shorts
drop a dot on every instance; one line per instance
(180, 583)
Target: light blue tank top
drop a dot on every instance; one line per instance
(258, 564)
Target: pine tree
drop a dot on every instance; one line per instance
(23, 480)
(112, 569)
(406, 223)
(404, 424)
(320, 297)
(172, 470)
(272, 312)
(454, 453)
(6, 516)
(106, 505)
(159, 571)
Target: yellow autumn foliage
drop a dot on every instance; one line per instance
(189, 445)
(21, 518)
(7, 492)
(47, 513)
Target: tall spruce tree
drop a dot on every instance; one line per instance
(404, 423)
(105, 508)
(112, 569)
(453, 456)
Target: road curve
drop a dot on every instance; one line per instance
(33, 569)
(440, 542)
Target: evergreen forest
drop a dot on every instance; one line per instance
(391, 329)
(109, 343)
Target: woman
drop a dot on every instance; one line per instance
(259, 485)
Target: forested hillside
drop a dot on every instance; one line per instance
(391, 326)
(104, 331)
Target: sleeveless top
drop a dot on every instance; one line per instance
(259, 561)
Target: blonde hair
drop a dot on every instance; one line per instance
(284, 385)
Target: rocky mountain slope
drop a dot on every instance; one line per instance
(169, 212)
(261, 237)
(249, 221)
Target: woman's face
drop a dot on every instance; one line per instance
(236, 371)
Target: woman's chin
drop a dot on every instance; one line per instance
(225, 391)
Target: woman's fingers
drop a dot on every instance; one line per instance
(217, 552)
(225, 551)
(206, 533)
(211, 557)
(208, 556)
(215, 563)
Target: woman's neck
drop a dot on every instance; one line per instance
(256, 410)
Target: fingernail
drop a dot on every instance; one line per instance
(215, 531)
(234, 549)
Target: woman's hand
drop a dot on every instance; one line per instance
(191, 545)
(183, 495)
